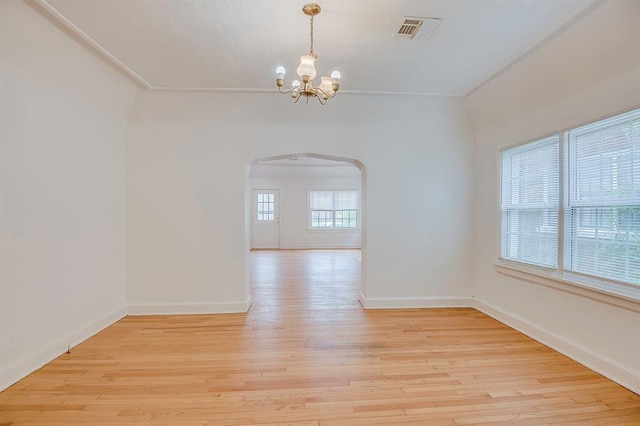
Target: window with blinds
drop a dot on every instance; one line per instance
(333, 209)
(603, 198)
(586, 182)
(529, 202)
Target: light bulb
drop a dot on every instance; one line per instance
(296, 89)
(335, 76)
(280, 72)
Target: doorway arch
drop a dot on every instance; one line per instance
(363, 211)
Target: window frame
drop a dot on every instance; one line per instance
(612, 291)
(333, 228)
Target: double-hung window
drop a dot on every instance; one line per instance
(602, 222)
(571, 202)
(530, 203)
(333, 209)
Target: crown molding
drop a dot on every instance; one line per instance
(91, 42)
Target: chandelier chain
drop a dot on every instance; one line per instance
(311, 33)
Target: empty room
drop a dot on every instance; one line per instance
(351, 212)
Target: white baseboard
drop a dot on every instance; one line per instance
(607, 367)
(585, 356)
(414, 302)
(190, 308)
(21, 369)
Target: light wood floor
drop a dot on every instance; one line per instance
(307, 354)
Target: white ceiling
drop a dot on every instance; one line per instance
(237, 44)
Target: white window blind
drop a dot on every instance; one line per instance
(346, 200)
(602, 224)
(529, 202)
(322, 200)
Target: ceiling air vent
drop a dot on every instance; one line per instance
(413, 26)
(409, 28)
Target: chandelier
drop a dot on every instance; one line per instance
(307, 71)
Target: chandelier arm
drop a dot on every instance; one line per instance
(284, 92)
(297, 99)
(333, 95)
(321, 100)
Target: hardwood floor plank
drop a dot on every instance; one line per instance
(307, 354)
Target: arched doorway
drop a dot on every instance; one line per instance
(262, 201)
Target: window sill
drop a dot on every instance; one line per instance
(623, 295)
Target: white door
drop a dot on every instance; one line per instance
(266, 219)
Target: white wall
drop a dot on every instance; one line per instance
(294, 184)
(62, 135)
(586, 72)
(187, 161)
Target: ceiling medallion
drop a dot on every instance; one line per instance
(307, 71)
